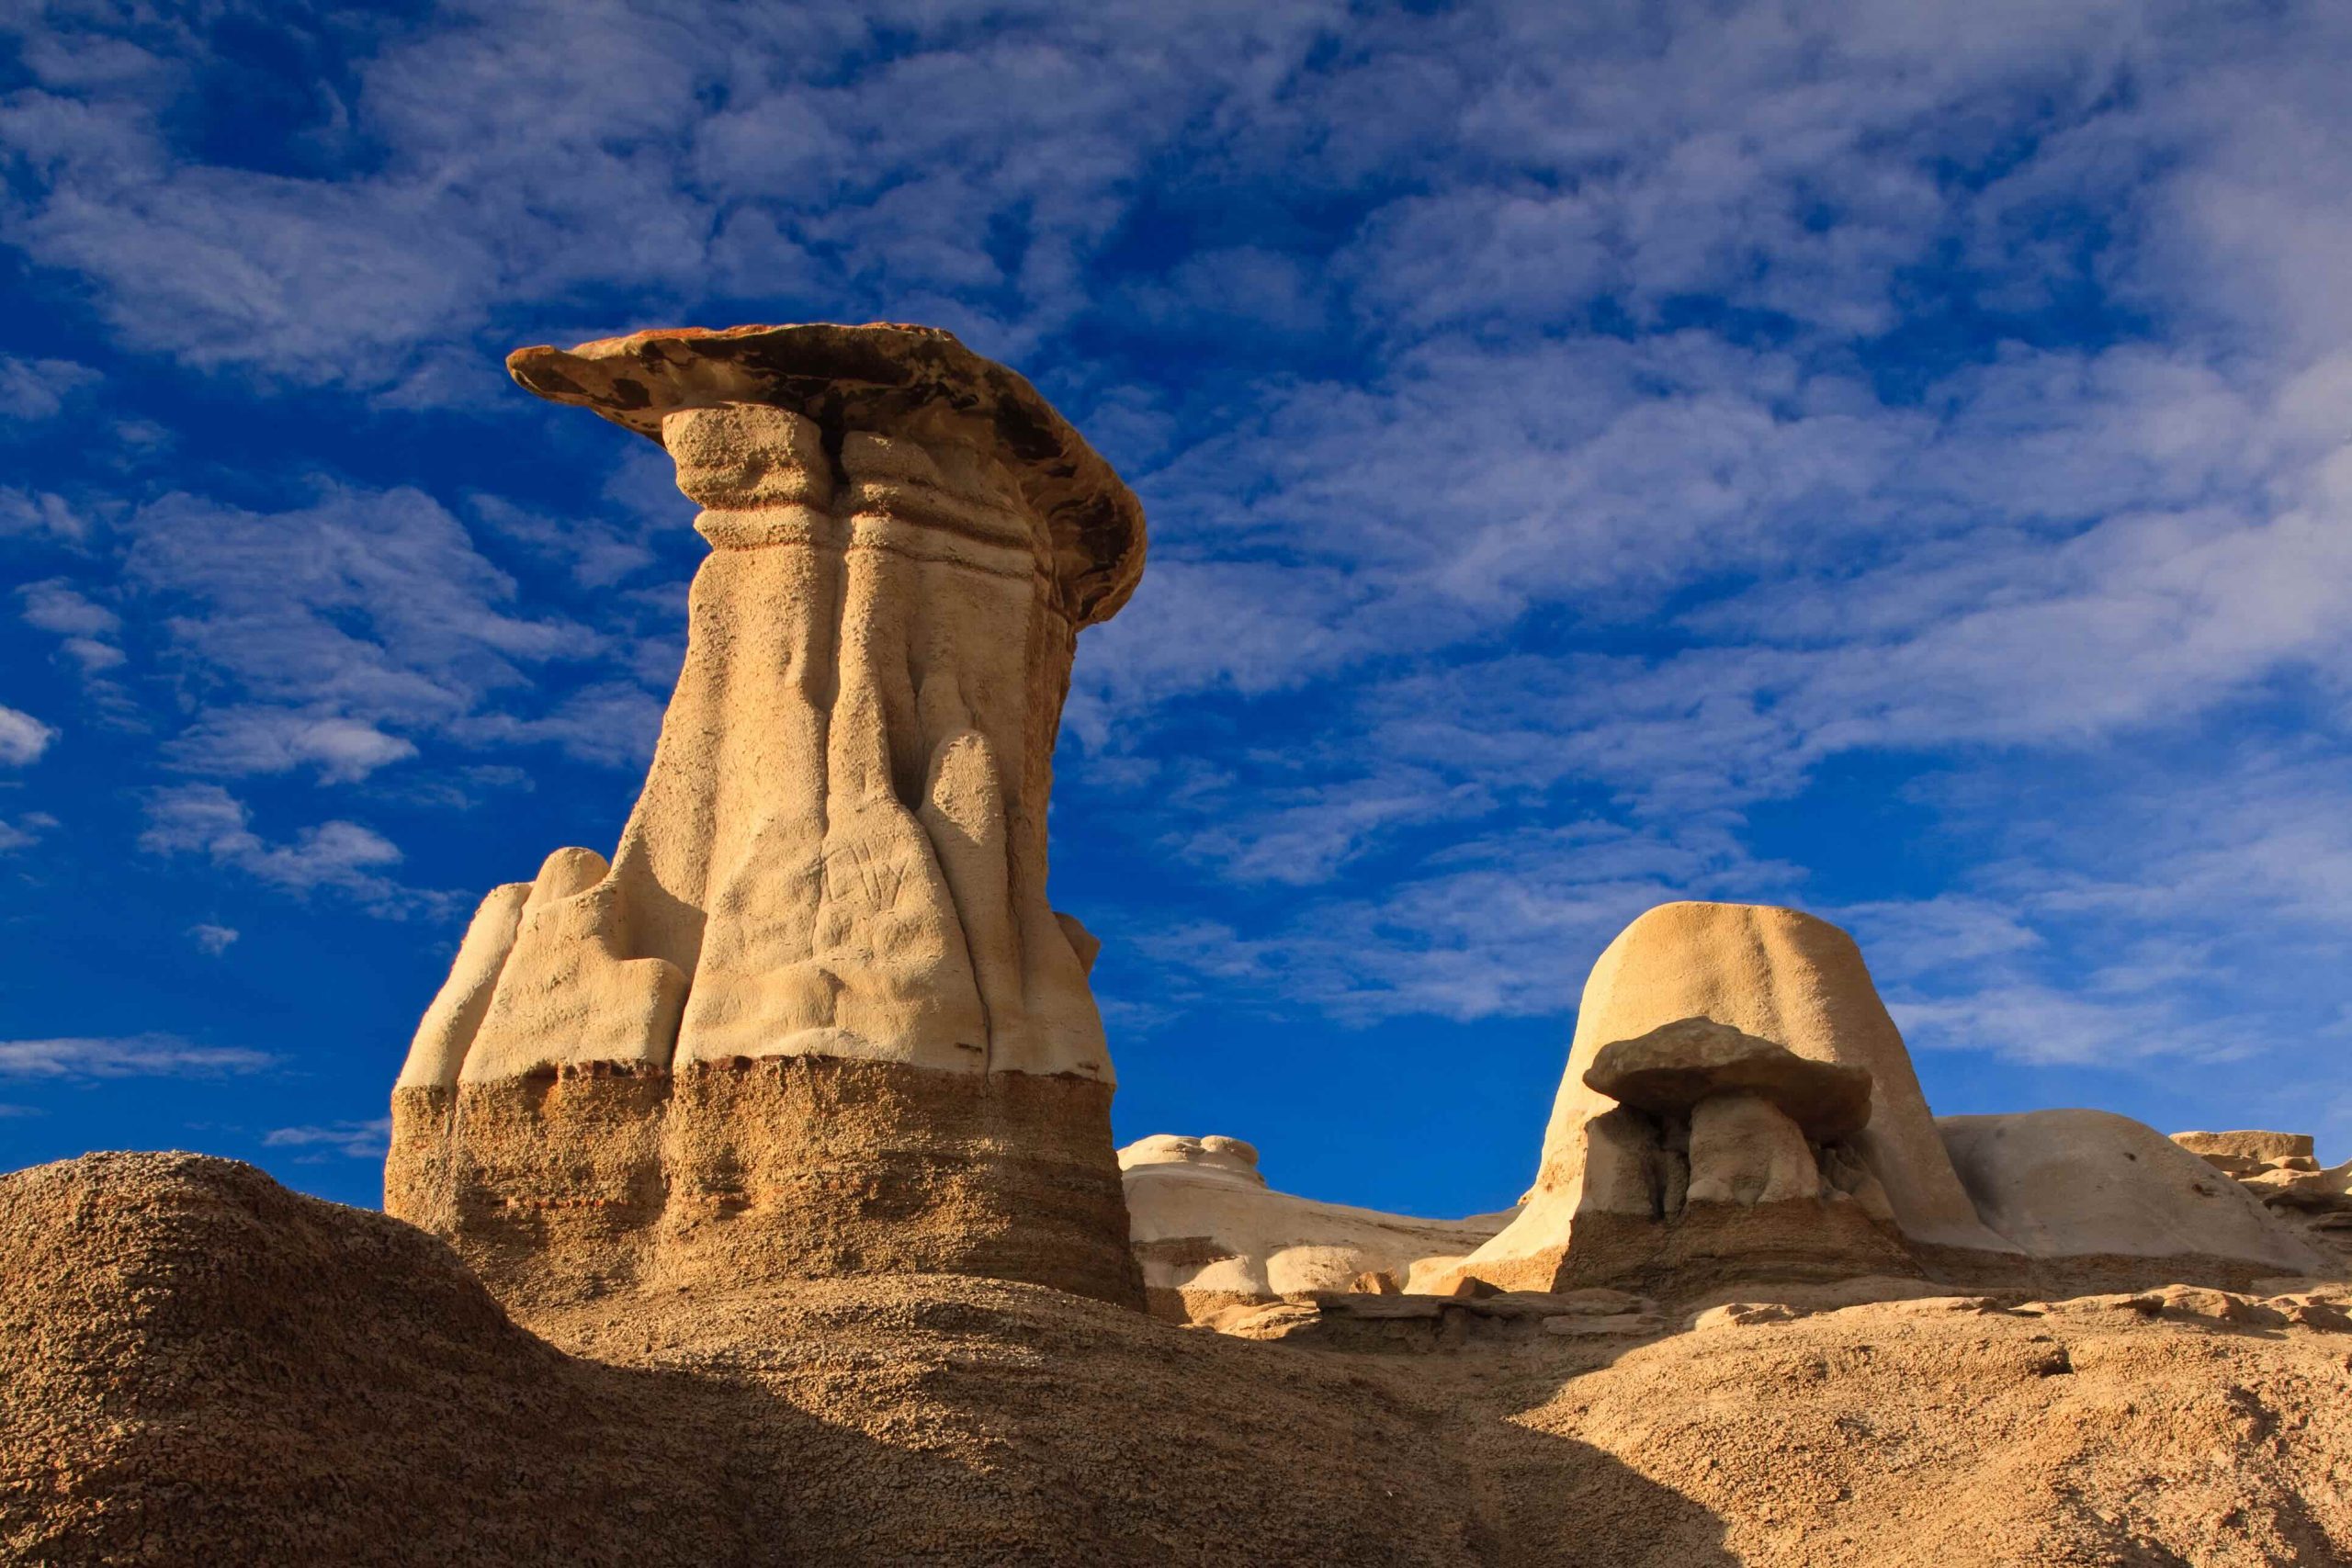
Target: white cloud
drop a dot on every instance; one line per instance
(1942, 933)
(1304, 833)
(55, 606)
(238, 743)
(23, 737)
(1505, 926)
(338, 856)
(138, 1056)
(32, 390)
(341, 629)
(86, 627)
(41, 515)
(353, 1140)
(494, 186)
(610, 722)
(215, 940)
(597, 551)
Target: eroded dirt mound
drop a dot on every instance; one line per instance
(1937, 1433)
(200, 1366)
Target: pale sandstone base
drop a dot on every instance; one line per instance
(1700, 1247)
(1210, 1236)
(560, 1189)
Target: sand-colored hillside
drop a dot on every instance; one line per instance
(203, 1367)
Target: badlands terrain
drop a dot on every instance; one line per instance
(752, 1196)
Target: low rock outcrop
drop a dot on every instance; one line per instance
(1210, 1236)
(816, 1012)
(2282, 1171)
(2249, 1148)
(2090, 1184)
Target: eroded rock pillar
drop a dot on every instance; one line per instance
(817, 1013)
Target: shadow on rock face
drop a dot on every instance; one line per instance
(203, 1366)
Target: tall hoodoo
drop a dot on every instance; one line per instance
(816, 1011)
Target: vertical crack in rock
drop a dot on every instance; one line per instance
(839, 857)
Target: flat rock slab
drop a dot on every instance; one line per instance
(2248, 1143)
(1676, 1066)
(866, 377)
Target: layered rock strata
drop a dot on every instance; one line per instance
(1718, 1021)
(2248, 1149)
(2281, 1171)
(816, 1014)
(1211, 1237)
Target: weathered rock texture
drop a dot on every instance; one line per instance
(1210, 1236)
(2092, 1184)
(200, 1367)
(2248, 1147)
(1677, 1067)
(818, 996)
(2282, 1171)
(1725, 994)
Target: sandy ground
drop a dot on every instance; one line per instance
(202, 1367)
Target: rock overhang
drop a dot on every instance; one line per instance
(871, 378)
(1670, 1069)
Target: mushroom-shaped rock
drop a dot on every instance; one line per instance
(1783, 975)
(1210, 1234)
(1670, 1070)
(1777, 975)
(817, 1013)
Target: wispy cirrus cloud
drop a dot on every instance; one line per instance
(23, 737)
(348, 1140)
(86, 629)
(25, 829)
(336, 856)
(334, 628)
(138, 1056)
(35, 390)
(212, 938)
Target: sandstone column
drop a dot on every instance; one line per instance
(816, 1015)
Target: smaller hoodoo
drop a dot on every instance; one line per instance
(1739, 1104)
(1736, 1101)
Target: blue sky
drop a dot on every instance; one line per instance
(1893, 458)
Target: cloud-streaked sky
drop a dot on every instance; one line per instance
(1893, 458)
